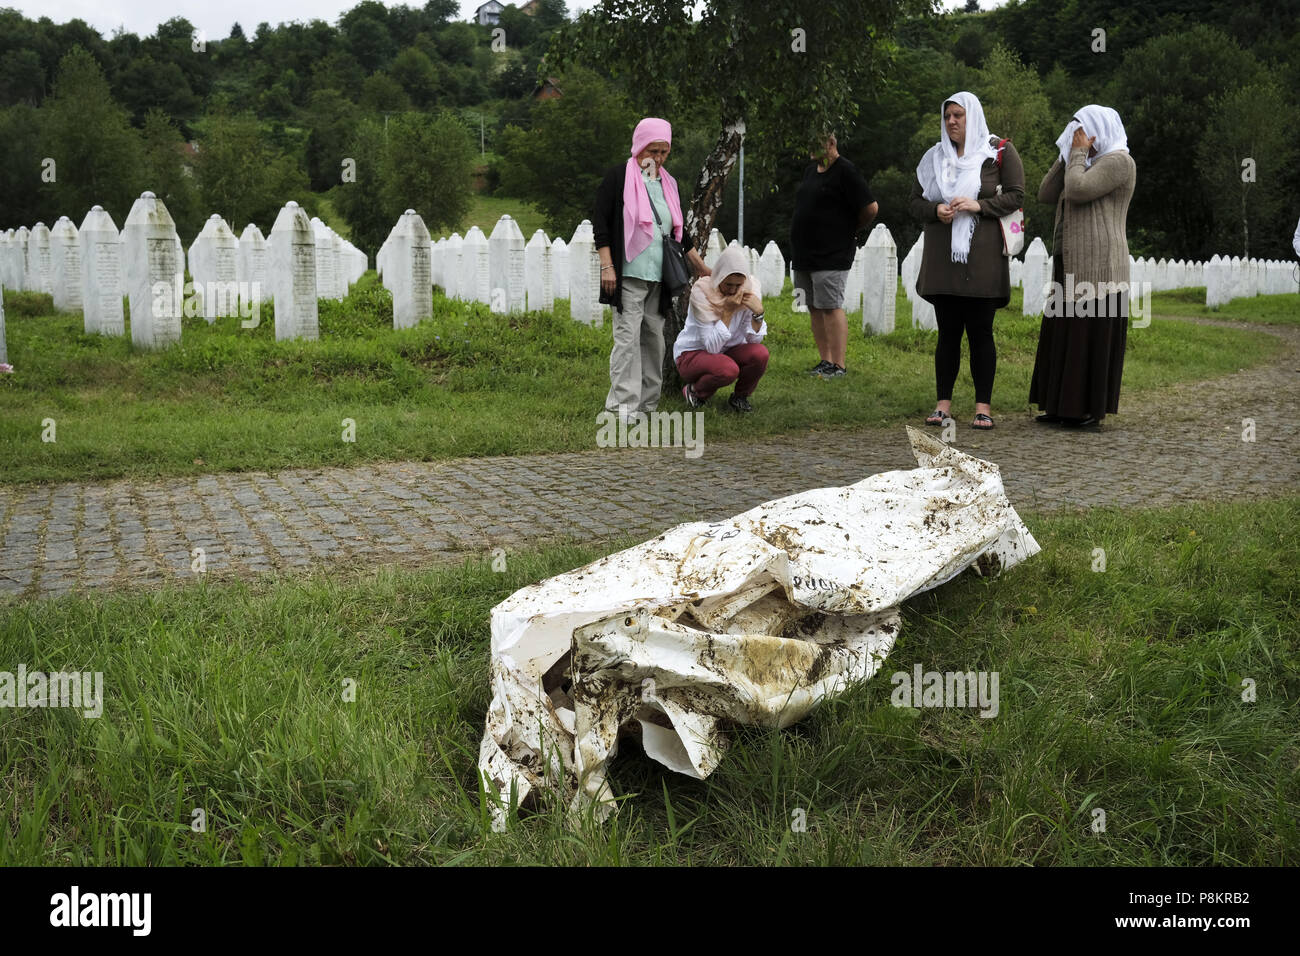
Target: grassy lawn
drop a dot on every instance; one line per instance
(1120, 691)
(466, 383)
(1269, 309)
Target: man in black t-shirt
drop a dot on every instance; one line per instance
(832, 205)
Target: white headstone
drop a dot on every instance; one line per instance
(453, 265)
(771, 269)
(23, 277)
(154, 273)
(327, 261)
(879, 281)
(922, 311)
(560, 267)
(1035, 277)
(407, 272)
(714, 248)
(506, 266)
(853, 284)
(539, 274)
(40, 261)
(214, 268)
(4, 353)
(101, 274)
(584, 276)
(253, 269)
(476, 267)
(293, 274)
(65, 259)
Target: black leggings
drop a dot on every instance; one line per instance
(954, 313)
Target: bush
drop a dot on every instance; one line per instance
(28, 303)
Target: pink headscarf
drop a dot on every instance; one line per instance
(638, 217)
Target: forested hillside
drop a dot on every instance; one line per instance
(393, 107)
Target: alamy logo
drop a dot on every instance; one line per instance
(102, 909)
(652, 430)
(55, 689)
(946, 689)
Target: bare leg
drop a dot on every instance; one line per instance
(819, 333)
(837, 336)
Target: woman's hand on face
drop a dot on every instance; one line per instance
(944, 212)
(1082, 139)
(750, 301)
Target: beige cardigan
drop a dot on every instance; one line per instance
(1090, 238)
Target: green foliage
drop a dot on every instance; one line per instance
(558, 162)
(96, 152)
(20, 152)
(1243, 130)
(413, 161)
(1162, 84)
(240, 175)
(164, 174)
(380, 93)
(1016, 107)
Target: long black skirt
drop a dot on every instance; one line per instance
(1080, 358)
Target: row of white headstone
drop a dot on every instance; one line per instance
(508, 274)
(94, 267)
(1224, 279)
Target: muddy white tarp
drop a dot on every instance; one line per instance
(752, 620)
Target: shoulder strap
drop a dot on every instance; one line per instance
(1001, 144)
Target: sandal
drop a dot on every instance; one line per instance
(978, 423)
(937, 418)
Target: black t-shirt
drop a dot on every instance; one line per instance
(826, 209)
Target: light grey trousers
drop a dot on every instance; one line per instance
(636, 361)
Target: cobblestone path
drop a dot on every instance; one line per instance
(1185, 444)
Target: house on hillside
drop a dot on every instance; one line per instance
(531, 7)
(489, 14)
(547, 90)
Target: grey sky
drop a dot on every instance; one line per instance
(142, 17)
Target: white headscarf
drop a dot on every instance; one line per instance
(944, 175)
(1099, 121)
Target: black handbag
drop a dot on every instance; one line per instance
(676, 275)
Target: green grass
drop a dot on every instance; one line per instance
(466, 383)
(1119, 691)
(1267, 309)
(486, 210)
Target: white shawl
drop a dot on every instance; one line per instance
(944, 175)
(1099, 121)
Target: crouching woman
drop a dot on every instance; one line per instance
(722, 340)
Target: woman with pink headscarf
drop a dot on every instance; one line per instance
(637, 204)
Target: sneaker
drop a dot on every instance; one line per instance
(692, 399)
(820, 367)
(740, 403)
(833, 371)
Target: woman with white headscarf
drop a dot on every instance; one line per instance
(964, 184)
(1081, 343)
(722, 341)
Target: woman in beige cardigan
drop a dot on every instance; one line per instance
(1081, 343)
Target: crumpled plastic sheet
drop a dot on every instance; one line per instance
(752, 620)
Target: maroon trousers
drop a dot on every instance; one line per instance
(709, 371)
